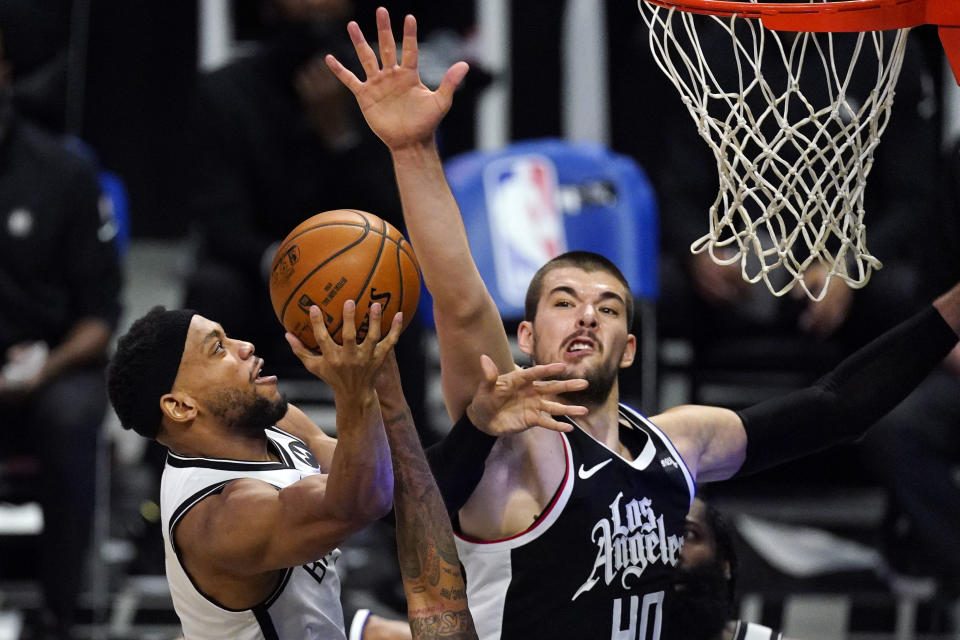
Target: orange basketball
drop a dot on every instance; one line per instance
(342, 255)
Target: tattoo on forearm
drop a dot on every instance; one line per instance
(429, 564)
(447, 624)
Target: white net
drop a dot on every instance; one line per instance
(793, 120)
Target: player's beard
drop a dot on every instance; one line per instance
(600, 382)
(698, 608)
(246, 413)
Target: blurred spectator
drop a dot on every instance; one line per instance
(707, 581)
(59, 304)
(37, 48)
(277, 139)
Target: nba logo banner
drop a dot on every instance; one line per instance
(526, 224)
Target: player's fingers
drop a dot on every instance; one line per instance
(365, 54)
(320, 332)
(390, 340)
(349, 330)
(344, 75)
(451, 80)
(547, 422)
(559, 409)
(541, 371)
(550, 387)
(373, 324)
(388, 48)
(409, 52)
(489, 369)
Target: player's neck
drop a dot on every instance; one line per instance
(602, 419)
(229, 446)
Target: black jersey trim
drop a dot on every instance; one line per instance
(641, 460)
(691, 480)
(282, 450)
(270, 599)
(187, 504)
(175, 519)
(266, 623)
(739, 631)
(182, 462)
(285, 433)
(225, 464)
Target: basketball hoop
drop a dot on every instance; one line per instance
(793, 146)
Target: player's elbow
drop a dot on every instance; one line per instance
(368, 505)
(462, 305)
(379, 506)
(362, 516)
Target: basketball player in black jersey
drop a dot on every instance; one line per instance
(575, 531)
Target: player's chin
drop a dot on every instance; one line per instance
(582, 362)
(267, 389)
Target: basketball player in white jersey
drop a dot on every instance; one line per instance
(577, 533)
(252, 513)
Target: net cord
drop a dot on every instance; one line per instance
(774, 215)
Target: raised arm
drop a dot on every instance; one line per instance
(429, 566)
(251, 529)
(837, 408)
(405, 114)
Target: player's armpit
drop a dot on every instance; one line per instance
(711, 440)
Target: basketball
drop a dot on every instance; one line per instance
(342, 255)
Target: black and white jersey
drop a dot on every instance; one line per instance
(599, 561)
(750, 631)
(306, 602)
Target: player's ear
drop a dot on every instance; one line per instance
(178, 407)
(525, 337)
(629, 352)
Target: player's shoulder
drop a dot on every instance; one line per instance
(235, 501)
(243, 504)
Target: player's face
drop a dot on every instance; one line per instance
(699, 545)
(226, 378)
(699, 607)
(581, 320)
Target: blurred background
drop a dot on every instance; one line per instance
(206, 130)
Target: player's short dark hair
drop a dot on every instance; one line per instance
(145, 366)
(723, 540)
(586, 260)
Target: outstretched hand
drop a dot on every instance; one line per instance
(350, 368)
(397, 106)
(523, 398)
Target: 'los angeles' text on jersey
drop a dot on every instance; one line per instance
(599, 562)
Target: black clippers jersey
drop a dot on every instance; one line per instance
(600, 560)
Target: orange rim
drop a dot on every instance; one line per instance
(841, 16)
